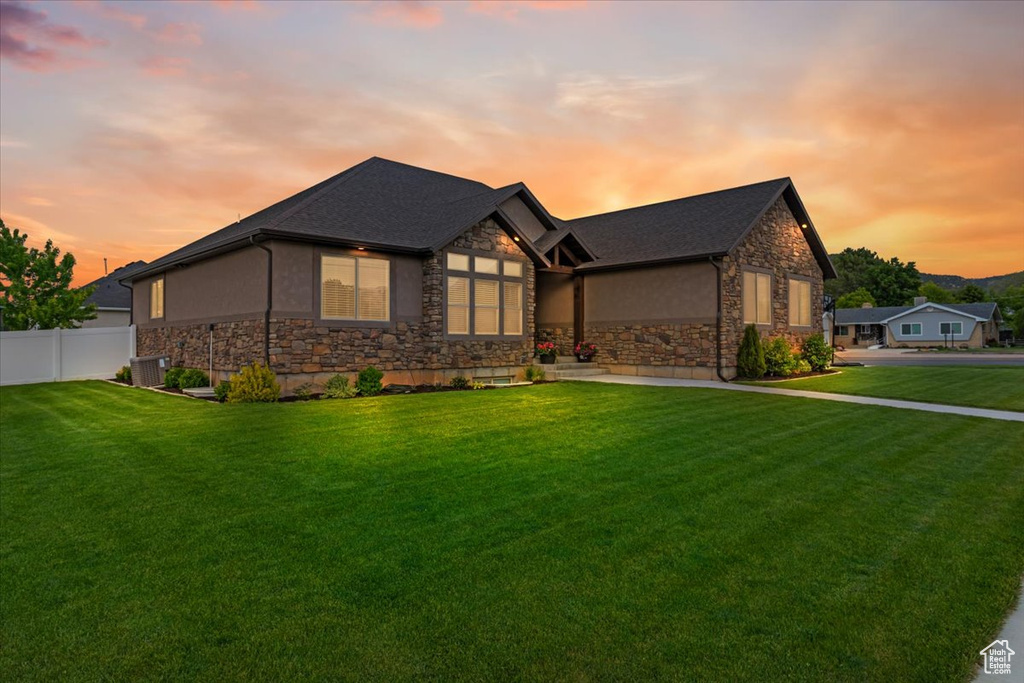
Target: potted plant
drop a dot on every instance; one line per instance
(585, 351)
(547, 352)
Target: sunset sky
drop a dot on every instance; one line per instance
(130, 129)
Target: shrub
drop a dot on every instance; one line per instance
(171, 377)
(532, 373)
(304, 391)
(778, 358)
(124, 374)
(816, 352)
(750, 362)
(222, 389)
(338, 387)
(368, 383)
(254, 384)
(459, 382)
(190, 379)
(802, 366)
(479, 385)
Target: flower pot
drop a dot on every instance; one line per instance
(547, 360)
(583, 359)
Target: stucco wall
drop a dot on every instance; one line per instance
(556, 310)
(524, 219)
(676, 293)
(108, 319)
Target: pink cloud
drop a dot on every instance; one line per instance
(410, 13)
(31, 41)
(160, 67)
(136, 21)
(509, 9)
(179, 32)
(241, 5)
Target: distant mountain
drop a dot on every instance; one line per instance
(995, 283)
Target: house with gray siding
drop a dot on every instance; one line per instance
(426, 276)
(925, 324)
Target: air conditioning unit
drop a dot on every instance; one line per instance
(148, 371)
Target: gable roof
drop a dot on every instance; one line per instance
(110, 294)
(882, 314)
(387, 205)
(377, 204)
(691, 228)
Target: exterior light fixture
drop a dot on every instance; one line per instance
(803, 225)
(361, 248)
(515, 237)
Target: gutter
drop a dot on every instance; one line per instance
(718, 318)
(270, 299)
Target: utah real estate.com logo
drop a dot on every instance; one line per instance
(997, 657)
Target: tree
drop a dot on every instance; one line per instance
(855, 299)
(750, 361)
(972, 294)
(35, 286)
(936, 294)
(891, 283)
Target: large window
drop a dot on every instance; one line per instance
(757, 298)
(951, 328)
(156, 298)
(799, 303)
(910, 329)
(485, 296)
(354, 288)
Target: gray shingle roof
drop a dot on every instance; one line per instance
(875, 315)
(376, 203)
(110, 294)
(397, 207)
(693, 227)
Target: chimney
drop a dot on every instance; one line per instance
(866, 304)
(918, 300)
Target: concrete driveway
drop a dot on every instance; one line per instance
(912, 357)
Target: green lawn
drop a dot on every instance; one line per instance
(996, 387)
(564, 531)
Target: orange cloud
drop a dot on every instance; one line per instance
(412, 13)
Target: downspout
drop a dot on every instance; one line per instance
(718, 318)
(270, 299)
(131, 305)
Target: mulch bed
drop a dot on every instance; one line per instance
(804, 375)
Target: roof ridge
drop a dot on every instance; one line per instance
(679, 199)
(339, 179)
(430, 170)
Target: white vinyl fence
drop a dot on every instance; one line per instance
(60, 355)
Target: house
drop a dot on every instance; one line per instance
(921, 325)
(427, 275)
(113, 300)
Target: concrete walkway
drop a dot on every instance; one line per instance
(1007, 415)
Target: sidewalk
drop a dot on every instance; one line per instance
(1007, 415)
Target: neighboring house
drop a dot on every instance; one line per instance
(113, 300)
(923, 324)
(427, 276)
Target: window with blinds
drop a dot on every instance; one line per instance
(757, 298)
(355, 288)
(513, 308)
(485, 306)
(799, 303)
(458, 305)
(156, 298)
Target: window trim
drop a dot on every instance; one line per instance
(757, 272)
(792, 278)
(951, 323)
(318, 255)
(473, 276)
(919, 333)
(162, 281)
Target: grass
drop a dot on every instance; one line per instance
(1000, 388)
(564, 531)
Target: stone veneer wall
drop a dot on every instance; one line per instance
(303, 350)
(563, 337)
(684, 351)
(777, 244)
